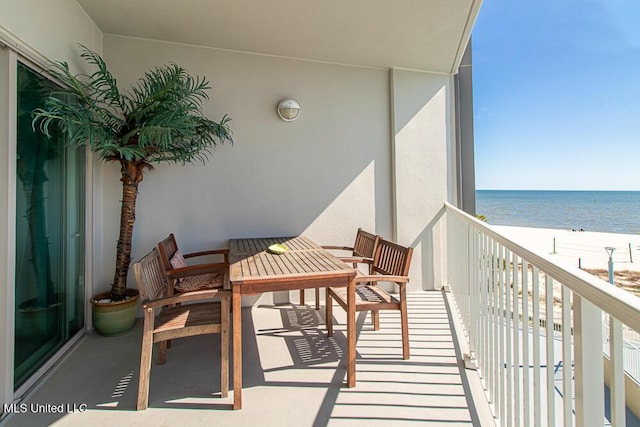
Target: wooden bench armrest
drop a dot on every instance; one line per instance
(382, 278)
(340, 248)
(186, 297)
(356, 260)
(191, 270)
(224, 252)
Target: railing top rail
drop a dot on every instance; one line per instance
(621, 304)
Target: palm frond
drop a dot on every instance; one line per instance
(159, 119)
(105, 85)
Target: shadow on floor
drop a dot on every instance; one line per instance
(293, 375)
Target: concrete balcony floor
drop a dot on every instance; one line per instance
(293, 375)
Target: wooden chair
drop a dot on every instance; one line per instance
(185, 278)
(362, 252)
(391, 263)
(179, 317)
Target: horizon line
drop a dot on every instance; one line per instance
(547, 189)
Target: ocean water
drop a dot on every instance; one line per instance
(605, 211)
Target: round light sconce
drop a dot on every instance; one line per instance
(288, 110)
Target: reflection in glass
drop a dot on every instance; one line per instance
(49, 286)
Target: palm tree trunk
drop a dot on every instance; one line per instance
(131, 176)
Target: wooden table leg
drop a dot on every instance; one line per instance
(351, 334)
(237, 348)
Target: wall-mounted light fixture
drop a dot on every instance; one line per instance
(288, 110)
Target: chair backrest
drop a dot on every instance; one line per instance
(392, 259)
(365, 244)
(168, 247)
(151, 276)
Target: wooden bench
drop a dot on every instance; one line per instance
(182, 315)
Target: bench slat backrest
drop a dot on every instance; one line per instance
(168, 248)
(151, 276)
(392, 259)
(365, 244)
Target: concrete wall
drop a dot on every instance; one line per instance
(39, 30)
(343, 164)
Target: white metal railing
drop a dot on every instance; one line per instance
(535, 328)
(630, 349)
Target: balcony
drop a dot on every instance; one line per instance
(524, 314)
(293, 375)
(389, 113)
(470, 345)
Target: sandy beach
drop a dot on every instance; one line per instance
(584, 249)
(574, 247)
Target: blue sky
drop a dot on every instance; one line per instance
(557, 95)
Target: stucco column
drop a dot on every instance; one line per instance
(421, 163)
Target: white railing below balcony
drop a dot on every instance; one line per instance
(535, 329)
(630, 347)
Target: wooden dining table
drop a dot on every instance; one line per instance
(254, 269)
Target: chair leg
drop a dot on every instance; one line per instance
(404, 320)
(224, 346)
(328, 320)
(317, 298)
(375, 319)
(170, 292)
(145, 361)
(162, 352)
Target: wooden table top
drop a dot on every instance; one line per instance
(255, 245)
(304, 260)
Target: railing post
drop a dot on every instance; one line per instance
(589, 374)
(567, 373)
(616, 374)
(466, 276)
(526, 372)
(550, 342)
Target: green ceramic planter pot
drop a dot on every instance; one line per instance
(115, 318)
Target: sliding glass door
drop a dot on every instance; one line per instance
(49, 282)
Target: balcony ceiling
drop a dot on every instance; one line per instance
(415, 34)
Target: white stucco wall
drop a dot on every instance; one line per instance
(369, 150)
(40, 29)
(324, 175)
(422, 135)
(52, 28)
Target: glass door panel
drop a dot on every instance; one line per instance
(49, 285)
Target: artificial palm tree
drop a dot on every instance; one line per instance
(159, 119)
